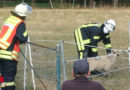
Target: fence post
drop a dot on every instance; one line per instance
(58, 51)
(30, 57)
(129, 47)
(25, 67)
(63, 60)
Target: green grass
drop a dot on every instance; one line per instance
(59, 24)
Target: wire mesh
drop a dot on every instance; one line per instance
(117, 78)
(44, 63)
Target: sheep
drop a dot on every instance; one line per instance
(102, 62)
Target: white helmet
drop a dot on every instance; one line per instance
(109, 26)
(23, 9)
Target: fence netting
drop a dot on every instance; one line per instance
(44, 63)
(117, 78)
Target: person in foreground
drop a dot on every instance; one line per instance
(12, 34)
(81, 74)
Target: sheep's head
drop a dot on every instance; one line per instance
(113, 54)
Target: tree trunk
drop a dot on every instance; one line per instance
(69, 3)
(85, 3)
(61, 3)
(115, 3)
(33, 3)
(91, 3)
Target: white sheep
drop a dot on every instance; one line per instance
(102, 62)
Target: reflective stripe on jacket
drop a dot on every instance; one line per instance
(7, 35)
(89, 35)
(4, 84)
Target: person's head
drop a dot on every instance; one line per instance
(81, 68)
(22, 10)
(109, 26)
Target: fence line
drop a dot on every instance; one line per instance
(46, 61)
(119, 50)
(90, 76)
(32, 67)
(110, 71)
(46, 40)
(30, 58)
(69, 42)
(125, 58)
(28, 69)
(66, 61)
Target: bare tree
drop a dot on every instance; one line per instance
(33, 3)
(91, 3)
(85, 3)
(69, 2)
(61, 2)
(115, 3)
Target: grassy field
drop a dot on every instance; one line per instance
(59, 24)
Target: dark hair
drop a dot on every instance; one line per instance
(81, 67)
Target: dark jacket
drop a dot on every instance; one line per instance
(19, 36)
(95, 33)
(81, 83)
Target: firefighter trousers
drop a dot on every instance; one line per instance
(8, 71)
(85, 53)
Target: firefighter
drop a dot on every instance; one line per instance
(12, 34)
(88, 35)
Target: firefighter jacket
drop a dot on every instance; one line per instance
(12, 34)
(91, 34)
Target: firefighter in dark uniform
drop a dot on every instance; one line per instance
(12, 34)
(88, 35)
